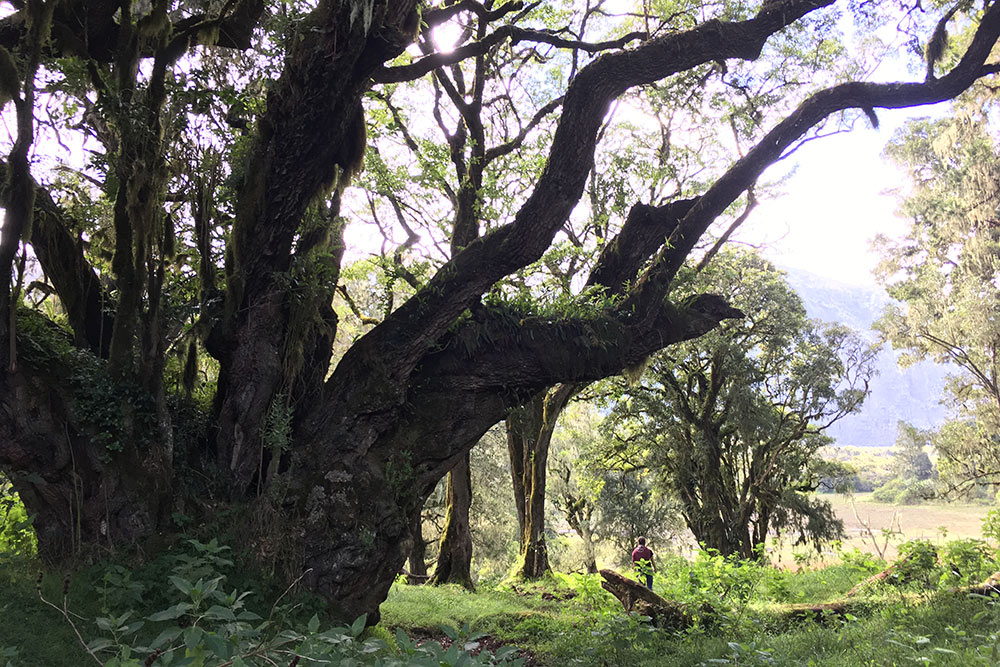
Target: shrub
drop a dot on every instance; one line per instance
(966, 562)
(917, 564)
(17, 537)
(905, 491)
(210, 627)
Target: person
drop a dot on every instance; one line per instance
(642, 561)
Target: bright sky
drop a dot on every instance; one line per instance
(834, 204)
(839, 196)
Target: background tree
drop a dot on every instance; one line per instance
(574, 492)
(913, 472)
(942, 274)
(732, 422)
(218, 234)
(910, 455)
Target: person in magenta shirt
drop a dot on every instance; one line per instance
(642, 561)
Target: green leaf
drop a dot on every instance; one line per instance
(170, 613)
(219, 613)
(218, 645)
(359, 625)
(192, 637)
(313, 624)
(100, 644)
(182, 584)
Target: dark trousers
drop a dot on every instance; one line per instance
(649, 580)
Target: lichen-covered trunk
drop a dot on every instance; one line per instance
(454, 565)
(524, 425)
(83, 493)
(529, 434)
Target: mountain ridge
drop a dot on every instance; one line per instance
(896, 394)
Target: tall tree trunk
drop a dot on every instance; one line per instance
(418, 554)
(529, 433)
(587, 535)
(454, 565)
(523, 427)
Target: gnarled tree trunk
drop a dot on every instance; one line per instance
(367, 440)
(454, 564)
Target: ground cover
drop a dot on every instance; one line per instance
(747, 616)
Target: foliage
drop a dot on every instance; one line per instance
(203, 209)
(205, 625)
(733, 421)
(492, 518)
(914, 481)
(941, 275)
(905, 491)
(910, 455)
(17, 538)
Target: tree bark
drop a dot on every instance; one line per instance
(454, 565)
(637, 598)
(418, 554)
(426, 374)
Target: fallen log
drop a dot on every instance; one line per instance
(988, 588)
(637, 598)
(874, 579)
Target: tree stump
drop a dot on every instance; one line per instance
(637, 598)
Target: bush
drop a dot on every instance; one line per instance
(917, 564)
(17, 537)
(207, 626)
(905, 491)
(966, 562)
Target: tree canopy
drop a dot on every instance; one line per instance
(732, 421)
(942, 274)
(167, 337)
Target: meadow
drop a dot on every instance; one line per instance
(197, 604)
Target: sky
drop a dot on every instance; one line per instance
(835, 202)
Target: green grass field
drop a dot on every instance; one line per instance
(743, 613)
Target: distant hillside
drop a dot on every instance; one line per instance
(911, 395)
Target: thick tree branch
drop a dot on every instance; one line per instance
(90, 28)
(435, 17)
(855, 95)
(88, 307)
(398, 344)
(429, 63)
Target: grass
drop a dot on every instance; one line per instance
(568, 619)
(37, 632)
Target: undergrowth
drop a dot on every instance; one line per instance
(191, 606)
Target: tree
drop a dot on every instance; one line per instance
(454, 564)
(910, 458)
(197, 251)
(942, 275)
(575, 493)
(733, 420)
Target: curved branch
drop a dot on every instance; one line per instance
(435, 61)
(854, 95)
(397, 345)
(435, 17)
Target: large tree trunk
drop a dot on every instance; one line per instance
(529, 434)
(84, 489)
(454, 565)
(411, 397)
(524, 427)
